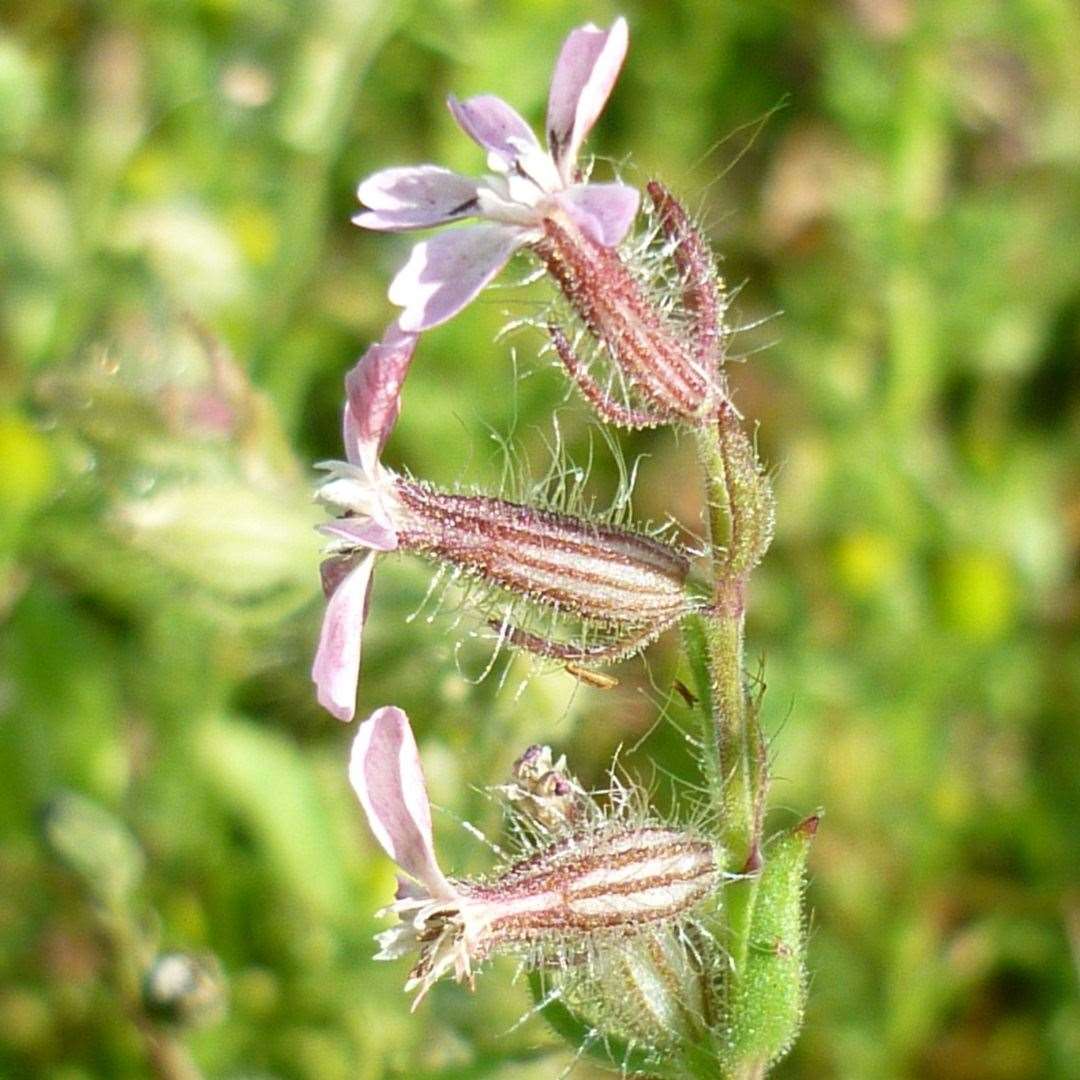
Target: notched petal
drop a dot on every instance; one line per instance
(336, 669)
(364, 533)
(385, 772)
(585, 73)
(373, 389)
(494, 125)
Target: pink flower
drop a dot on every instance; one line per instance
(373, 390)
(385, 773)
(529, 185)
(606, 591)
(590, 882)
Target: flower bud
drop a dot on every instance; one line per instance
(655, 993)
(703, 299)
(753, 507)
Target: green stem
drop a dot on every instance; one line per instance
(723, 633)
(724, 640)
(740, 525)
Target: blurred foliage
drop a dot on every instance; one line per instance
(174, 176)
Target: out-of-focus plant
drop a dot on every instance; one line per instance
(163, 992)
(189, 468)
(668, 945)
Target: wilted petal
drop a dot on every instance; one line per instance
(585, 72)
(385, 772)
(373, 390)
(496, 126)
(336, 669)
(604, 212)
(444, 273)
(414, 198)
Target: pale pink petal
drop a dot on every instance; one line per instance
(414, 198)
(445, 272)
(362, 533)
(604, 212)
(336, 669)
(496, 126)
(385, 772)
(585, 72)
(373, 389)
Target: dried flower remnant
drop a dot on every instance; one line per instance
(529, 186)
(542, 794)
(594, 881)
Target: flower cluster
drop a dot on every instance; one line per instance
(608, 591)
(620, 915)
(622, 586)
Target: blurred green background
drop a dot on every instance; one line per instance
(181, 293)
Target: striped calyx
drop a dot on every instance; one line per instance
(590, 885)
(560, 905)
(624, 586)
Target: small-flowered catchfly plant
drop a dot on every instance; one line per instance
(669, 946)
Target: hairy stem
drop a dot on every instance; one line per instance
(740, 524)
(723, 633)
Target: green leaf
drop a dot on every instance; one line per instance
(767, 1006)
